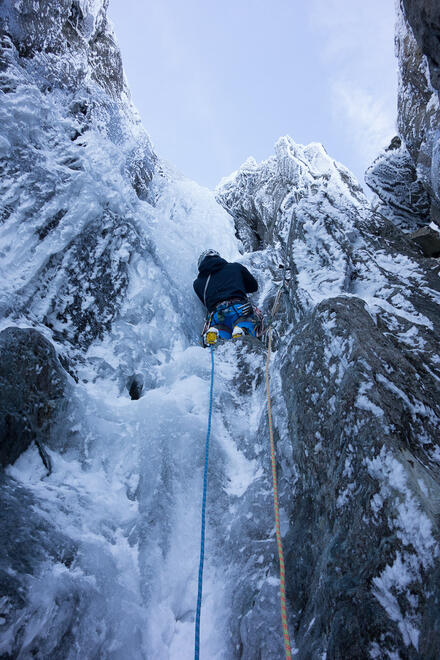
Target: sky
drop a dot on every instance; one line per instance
(215, 82)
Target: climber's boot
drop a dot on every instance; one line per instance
(238, 332)
(211, 336)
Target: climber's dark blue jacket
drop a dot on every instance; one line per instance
(228, 280)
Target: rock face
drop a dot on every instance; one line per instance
(418, 104)
(32, 383)
(424, 18)
(359, 384)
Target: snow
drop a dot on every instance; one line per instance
(397, 574)
(419, 547)
(93, 506)
(364, 403)
(345, 495)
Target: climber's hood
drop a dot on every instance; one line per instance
(211, 264)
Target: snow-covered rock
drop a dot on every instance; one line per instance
(358, 399)
(403, 198)
(413, 165)
(32, 383)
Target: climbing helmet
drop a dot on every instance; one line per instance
(207, 253)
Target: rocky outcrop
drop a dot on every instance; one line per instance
(403, 198)
(78, 26)
(359, 384)
(406, 176)
(419, 111)
(418, 102)
(33, 384)
(260, 196)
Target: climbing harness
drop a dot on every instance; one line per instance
(287, 647)
(202, 536)
(247, 316)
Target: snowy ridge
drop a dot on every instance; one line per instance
(262, 194)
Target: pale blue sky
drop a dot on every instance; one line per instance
(217, 82)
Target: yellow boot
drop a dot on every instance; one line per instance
(211, 336)
(237, 332)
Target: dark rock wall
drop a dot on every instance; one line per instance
(424, 18)
(361, 469)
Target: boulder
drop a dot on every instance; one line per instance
(32, 382)
(403, 198)
(428, 240)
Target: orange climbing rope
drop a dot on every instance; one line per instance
(286, 637)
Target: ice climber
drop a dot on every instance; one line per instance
(222, 287)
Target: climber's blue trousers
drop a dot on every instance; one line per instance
(227, 316)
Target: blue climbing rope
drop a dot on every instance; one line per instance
(202, 540)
